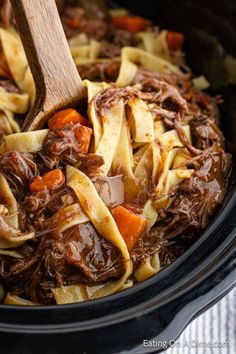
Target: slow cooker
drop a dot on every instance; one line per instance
(160, 308)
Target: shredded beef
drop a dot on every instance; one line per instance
(18, 168)
(60, 145)
(118, 40)
(189, 213)
(206, 133)
(62, 142)
(62, 148)
(152, 91)
(110, 50)
(162, 91)
(182, 82)
(124, 38)
(77, 20)
(90, 164)
(38, 207)
(86, 250)
(80, 255)
(104, 71)
(160, 94)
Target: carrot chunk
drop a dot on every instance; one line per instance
(51, 181)
(83, 136)
(175, 40)
(131, 226)
(60, 119)
(74, 22)
(131, 23)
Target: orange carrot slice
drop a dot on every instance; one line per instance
(130, 225)
(60, 119)
(51, 181)
(131, 23)
(175, 40)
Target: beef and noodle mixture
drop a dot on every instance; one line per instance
(107, 195)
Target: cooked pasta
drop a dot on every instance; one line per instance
(110, 193)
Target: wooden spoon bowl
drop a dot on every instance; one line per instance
(57, 81)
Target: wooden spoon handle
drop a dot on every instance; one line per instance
(56, 77)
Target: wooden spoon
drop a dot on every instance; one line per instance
(58, 84)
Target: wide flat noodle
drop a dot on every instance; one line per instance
(112, 122)
(80, 292)
(8, 124)
(103, 222)
(17, 62)
(150, 214)
(4, 71)
(132, 57)
(140, 150)
(11, 253)
(93, 89)
(14, 102)
(174, 177)
(94, 49)
(67, 217)
(167, 159)
(24, 142)
(148, 267)
(118, 11)
(85, 49)
(155, 43)
(123, 163)
(159, 128)
(180, 158)
(81, 52)
(128, 284)
(123, 157)
(7, 199)
(12, 242)
(170, 139)
(70, 294)
(171, 145)
(78, 40)
(140, 121)
(17, 301)
(150, 163)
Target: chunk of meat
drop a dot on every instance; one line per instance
(67, 144)
(110, 189)
(80, 256)
(18, 168)
(97, 258)
(205, 133)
